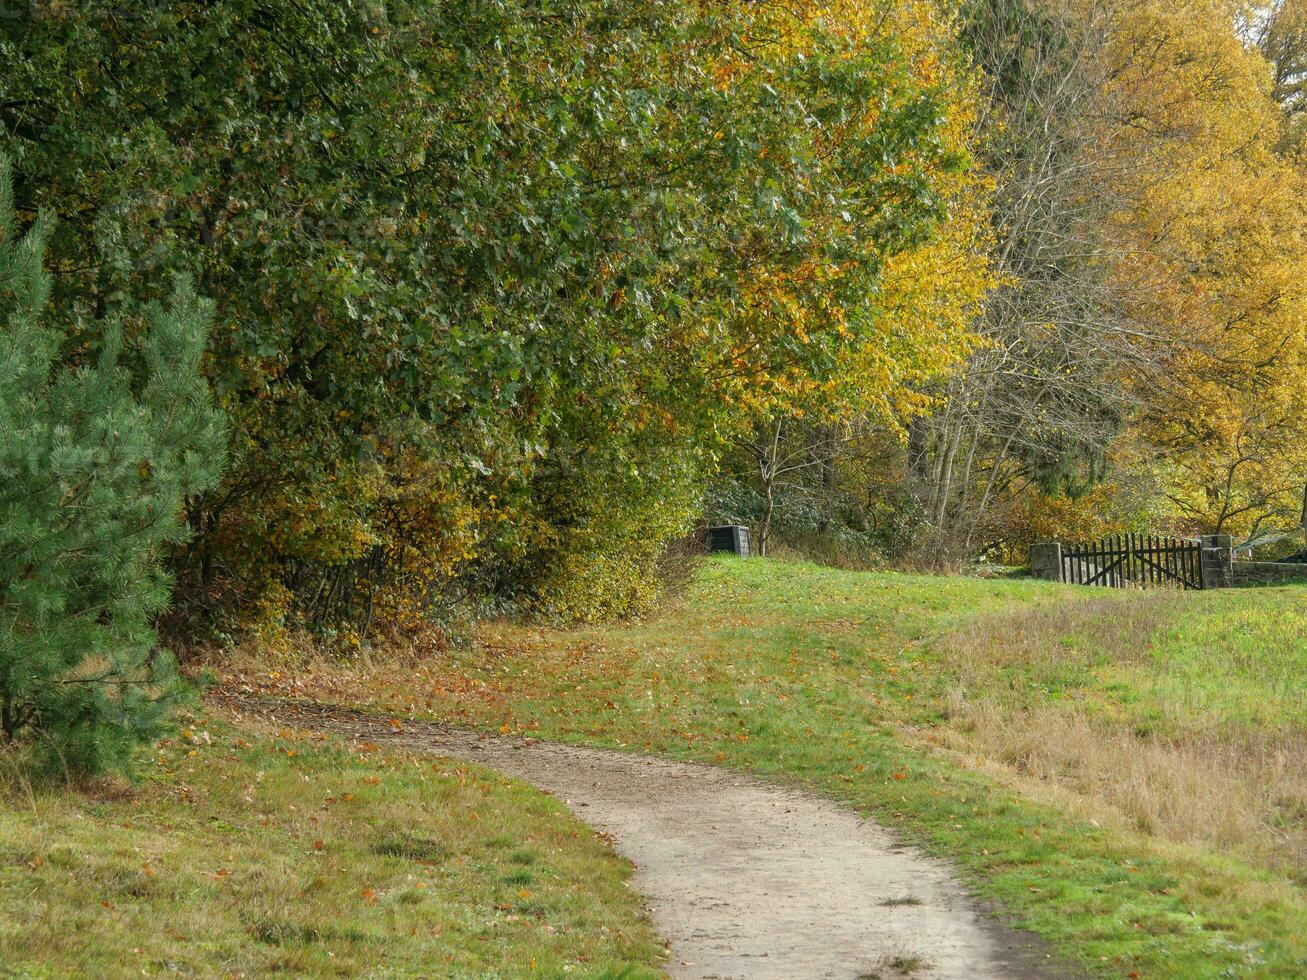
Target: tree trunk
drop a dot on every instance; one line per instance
(826, 443)
(764, 526)
(767, 448)
(918, 457)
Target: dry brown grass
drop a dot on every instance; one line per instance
(824, 549)
(1039, 691)
(1243, 793)
(1115, 627)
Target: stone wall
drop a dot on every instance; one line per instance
(1268, 572)
(1221, 571)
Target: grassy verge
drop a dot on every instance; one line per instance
(246, 855)
(1125, 773)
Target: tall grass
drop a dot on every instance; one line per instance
(1139, 704)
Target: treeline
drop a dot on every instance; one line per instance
(508, 294)
(490, 276)
(1141, 360)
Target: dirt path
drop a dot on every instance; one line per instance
(744, 879)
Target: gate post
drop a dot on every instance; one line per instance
(1218, 561)
(1046, 560)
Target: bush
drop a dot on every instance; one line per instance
(96, 461)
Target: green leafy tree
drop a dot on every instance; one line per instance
(473, 259)
(95, 462)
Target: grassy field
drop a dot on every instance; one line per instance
(242, 854)
(1125, 773)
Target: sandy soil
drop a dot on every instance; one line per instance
(743, 879)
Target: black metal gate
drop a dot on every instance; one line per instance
(1134, 560)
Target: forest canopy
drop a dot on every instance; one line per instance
(510, 296)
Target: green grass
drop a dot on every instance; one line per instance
(245, 855)
(1124, 773)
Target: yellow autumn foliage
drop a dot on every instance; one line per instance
(929, 294)
(1216, 223)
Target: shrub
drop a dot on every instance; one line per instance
(96, 461)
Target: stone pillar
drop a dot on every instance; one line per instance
(1046, 560)
(1218, 561)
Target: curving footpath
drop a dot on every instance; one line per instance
(743, 879)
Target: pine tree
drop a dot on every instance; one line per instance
(96, 461)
